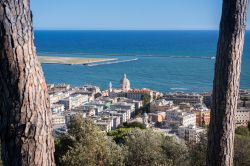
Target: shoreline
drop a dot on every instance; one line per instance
(72, 60)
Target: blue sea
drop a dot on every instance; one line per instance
(167, 60)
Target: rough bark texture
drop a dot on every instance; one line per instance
(226, 83)
(25, 118)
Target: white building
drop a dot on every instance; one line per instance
(58, 119)
(127, 111)
(180, 97)
(74, 101)
(128, 108)
(116, 121)
(57, 96)
(125, 83)
(138, 104)
(137, 94)
(58, 87)
(104, 125)
(122, 115)
(107, 99)
(123, 105)
(176, 118)
(190, 133)
(187, 107)
(89, 108)
(57, 108)
(161, 105)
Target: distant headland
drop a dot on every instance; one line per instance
(72, 60)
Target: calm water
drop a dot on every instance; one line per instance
(167, 60)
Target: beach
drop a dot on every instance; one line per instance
(71, 60)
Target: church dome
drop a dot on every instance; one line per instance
(125, 83)
(144, 114)
(124, 80)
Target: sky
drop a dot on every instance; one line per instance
(127, 14)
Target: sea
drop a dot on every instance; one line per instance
(165, 61)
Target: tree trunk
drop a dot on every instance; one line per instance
(25, 118)
(226, 83)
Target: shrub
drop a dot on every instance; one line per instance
(86, 144)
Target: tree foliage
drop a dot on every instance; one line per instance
(242, 146)
(146, 98)
(198, 151)
(148, 148)
(242, 150)
(175, 152)
(246, 98)
(132, 125)
(120, 135)
(243, 131)
(85, 144)
(144, 149)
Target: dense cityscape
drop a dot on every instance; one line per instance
(66, 98)
(181, 115)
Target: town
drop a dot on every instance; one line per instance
(182, 115)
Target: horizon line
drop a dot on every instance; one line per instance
(126, 29)
(38, 29)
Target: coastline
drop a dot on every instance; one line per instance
(164, 64)
(72, 60)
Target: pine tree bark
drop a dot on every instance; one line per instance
(226, 83)
(25, 118)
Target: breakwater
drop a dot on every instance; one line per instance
(110, 62)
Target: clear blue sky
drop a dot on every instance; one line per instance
(127, 14)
